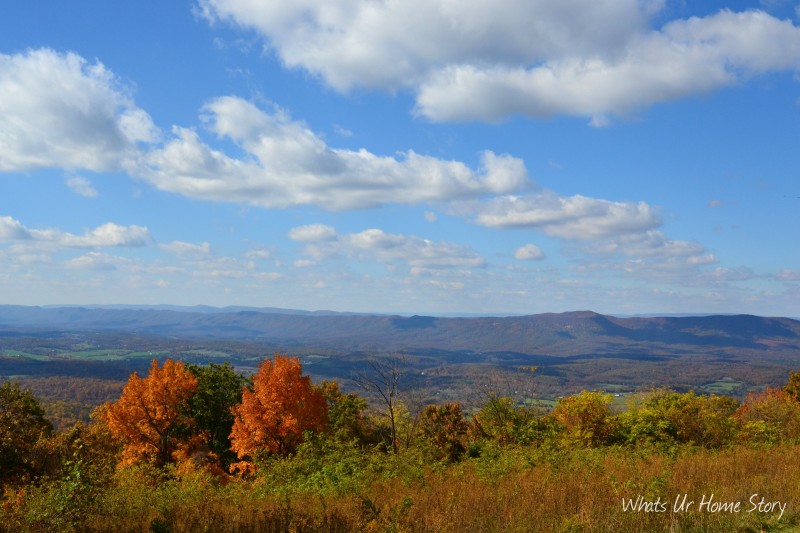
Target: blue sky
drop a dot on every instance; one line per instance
(427, 156)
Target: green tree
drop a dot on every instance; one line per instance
(586, 418)
(501, 420)
(219, 390)
(347, 419)
(668, 417)
(792, 388)
(22, 425)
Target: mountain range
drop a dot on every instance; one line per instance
(549, 334)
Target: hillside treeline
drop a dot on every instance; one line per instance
(202, 448)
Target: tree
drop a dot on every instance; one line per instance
(769, 416)
(586, 417)
(792, 388)
(281, 406)
(498, 420)
(151, 416)
(346, 419)
(22, 425)
(444, 427)
(382, 381)
(667, 417)
(219, 390)
(509, 413)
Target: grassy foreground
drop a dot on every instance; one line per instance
(508, 490)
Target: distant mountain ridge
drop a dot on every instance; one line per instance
(579, 333)
(202, 309)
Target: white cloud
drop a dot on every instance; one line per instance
(488, 59)
(82, 186)
(286, 164)
(573, 217)
(187, 249)
(13, 230)
(109, 234)
(653, 244)
(685, 58)
(652, 256)
(529, 252)
(788, 275)
(106, 235)
(388, 248)
(312, 233)
(342, 132)
(430, 216)
(389, 44)
(58, 110)
(257, 254)
(97, 261)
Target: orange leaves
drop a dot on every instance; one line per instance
(769, 416)
(153, 415)
(281, 406)
(150, 416)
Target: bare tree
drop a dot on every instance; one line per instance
(381, 381)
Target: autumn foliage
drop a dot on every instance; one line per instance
(151, 416)
(445, 428)
(508, 467)
(281, 406)
(769, 416)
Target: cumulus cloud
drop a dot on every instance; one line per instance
(287, 164)
(58, 110)
(106, 235)
(488, 59)
(653, 256)
(187, 249)
(312, 233)
(97, 261)
(529, 252)
(82, 186)
(109, 234)
(788, 275)
(388, 248)
(652, 244)
(572, 217)
(685, 58)
(387, 44)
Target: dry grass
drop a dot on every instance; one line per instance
(514, 490)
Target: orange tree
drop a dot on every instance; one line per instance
(151, 416)
(281, 405)
(769, 416)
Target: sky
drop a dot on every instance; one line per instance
(414, 156)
